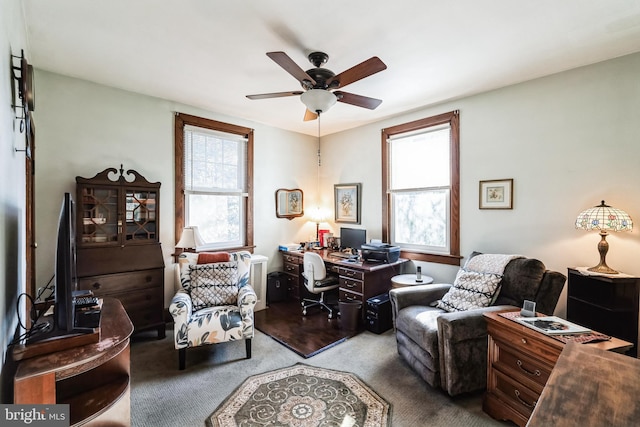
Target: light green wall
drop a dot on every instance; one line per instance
(86, 128)
(568, 141)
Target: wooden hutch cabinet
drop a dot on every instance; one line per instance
(118, 248)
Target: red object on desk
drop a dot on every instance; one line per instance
(321, 237)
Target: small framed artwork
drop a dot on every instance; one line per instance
(347, 202)
(289, 203)
(496, 194)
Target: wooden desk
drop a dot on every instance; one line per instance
(359, 281)
(589, 388)
(519, 363)
(93, 379)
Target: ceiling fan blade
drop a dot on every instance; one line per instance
(358, 100)
(283, 60)
(364, 69)
(309, 115)
(274, 95)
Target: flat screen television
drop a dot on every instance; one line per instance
(65, 275)
(352, 238)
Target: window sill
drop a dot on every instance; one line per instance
(436, 258)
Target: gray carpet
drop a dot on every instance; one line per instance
(161, 395)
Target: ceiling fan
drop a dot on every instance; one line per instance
(320, 84)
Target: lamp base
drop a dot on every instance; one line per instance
(604, 269)
(603, 248)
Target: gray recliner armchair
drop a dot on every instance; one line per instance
(449, 349)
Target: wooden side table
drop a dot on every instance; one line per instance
(403, 280)
(93, 379)
(519, 363)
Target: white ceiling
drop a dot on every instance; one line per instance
(211, 53)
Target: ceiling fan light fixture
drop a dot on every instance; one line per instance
(318, 100)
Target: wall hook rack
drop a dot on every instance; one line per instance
(23, 74)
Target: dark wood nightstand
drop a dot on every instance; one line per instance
(607, 303)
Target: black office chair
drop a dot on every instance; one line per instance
(317, 281)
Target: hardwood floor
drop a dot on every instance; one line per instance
(305, 335)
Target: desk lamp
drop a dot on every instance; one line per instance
(190, 239)
(604, 218)
(317, 216)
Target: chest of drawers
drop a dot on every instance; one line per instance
(519, 363)
(351, 285)
(140, 292)
(292, 266)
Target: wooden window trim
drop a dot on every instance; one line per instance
(181, 120)
(453, 119)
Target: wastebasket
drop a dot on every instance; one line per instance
(349, 314)
(276, 287)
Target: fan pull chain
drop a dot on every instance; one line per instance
(319, 158)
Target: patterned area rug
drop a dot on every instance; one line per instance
(303, 396)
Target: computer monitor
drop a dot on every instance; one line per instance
(352, 238)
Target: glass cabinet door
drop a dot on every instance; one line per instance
(140, 215)
(99, 208)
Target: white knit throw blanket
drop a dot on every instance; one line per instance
(490, 263)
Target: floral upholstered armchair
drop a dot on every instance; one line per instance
(213, 302)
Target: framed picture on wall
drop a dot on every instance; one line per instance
(347, 199)
(496, 194)
(289, 203)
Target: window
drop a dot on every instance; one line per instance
(420, 182)
(214, 181)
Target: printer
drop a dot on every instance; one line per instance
(380, 252)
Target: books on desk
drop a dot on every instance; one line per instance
(289, 247)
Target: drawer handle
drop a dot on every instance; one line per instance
(536, 372)
(524, 341)
(350, 285)
(97, 285)
(527, 404)
(148, 278)
(348, 298)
